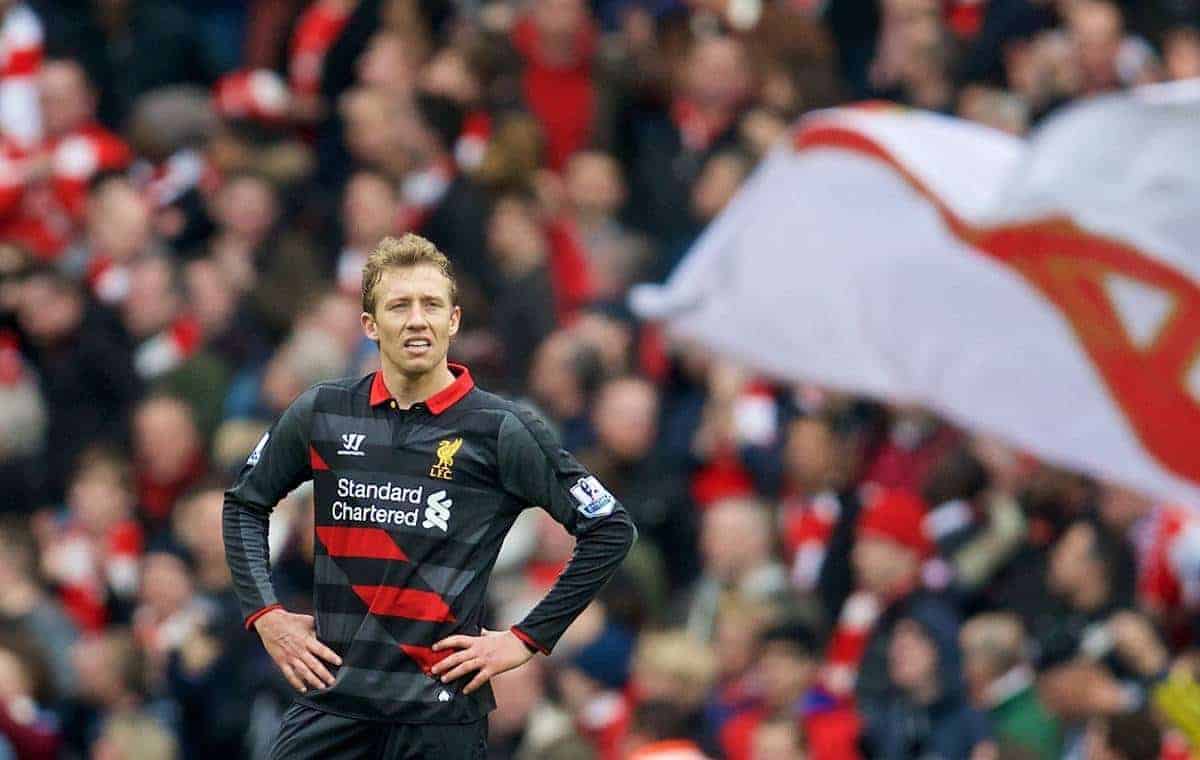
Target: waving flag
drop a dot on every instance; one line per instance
(1044, 291)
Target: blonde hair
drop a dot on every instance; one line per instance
(678, 655)
(408, 251)
(999, 636)
(139, 736)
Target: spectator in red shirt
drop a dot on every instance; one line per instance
(43, 191)
(92, 554)
(785, 672)
(915, 441)
(117, 232)
(169, 457)
(154, 316)
(557, 42)
(594, 191)
(664, 147)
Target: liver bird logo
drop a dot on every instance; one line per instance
(445, 455)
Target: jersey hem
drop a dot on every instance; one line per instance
(391, 721)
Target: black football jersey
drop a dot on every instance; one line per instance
(411, 508)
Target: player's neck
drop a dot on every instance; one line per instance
(409, 389)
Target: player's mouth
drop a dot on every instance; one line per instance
(417, 346)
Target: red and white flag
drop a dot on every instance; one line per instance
(1043, 290)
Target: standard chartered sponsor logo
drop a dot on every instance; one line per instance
(350, 488)
(343, 511)
(437, 514)
(437, 506)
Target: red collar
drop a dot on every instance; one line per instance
(438, 402)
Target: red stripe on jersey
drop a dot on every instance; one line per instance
(426, 657)
(405, 603)
(374, 543)
(315, 461)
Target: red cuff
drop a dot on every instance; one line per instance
(250, 620)
(528, 641)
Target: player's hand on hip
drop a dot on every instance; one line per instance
(487, 655)
(291, 640)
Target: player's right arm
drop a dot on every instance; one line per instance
(279, 463)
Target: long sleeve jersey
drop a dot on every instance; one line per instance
(411, 507)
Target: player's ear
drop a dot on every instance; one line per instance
(455, 317)
(370, 329)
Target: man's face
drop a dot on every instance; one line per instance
(414, 318)
(1181, 52)
(368, 209)
(118, 221)
(912, 657)
(559, 19)
(248, 207)
(1070, 559)
(593, 183)
(152, 302)
(786, 672)
(166, 584)
(211, 296)
(371, 126)
(627, 419)
(66, 102)
(99, 499)
(199, 526)
(734, 538)
(716, 73)
(165, 439)
(882, 566)
(388, 64)
(49, 312)
(977, 672)
(809, 455)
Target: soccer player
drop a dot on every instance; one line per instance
(417, 477)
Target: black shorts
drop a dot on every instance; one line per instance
(308, 733)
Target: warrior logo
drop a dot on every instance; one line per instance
(351, 445)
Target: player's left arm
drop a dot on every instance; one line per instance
(537, 470)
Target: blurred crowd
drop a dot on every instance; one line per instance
(188, 189)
